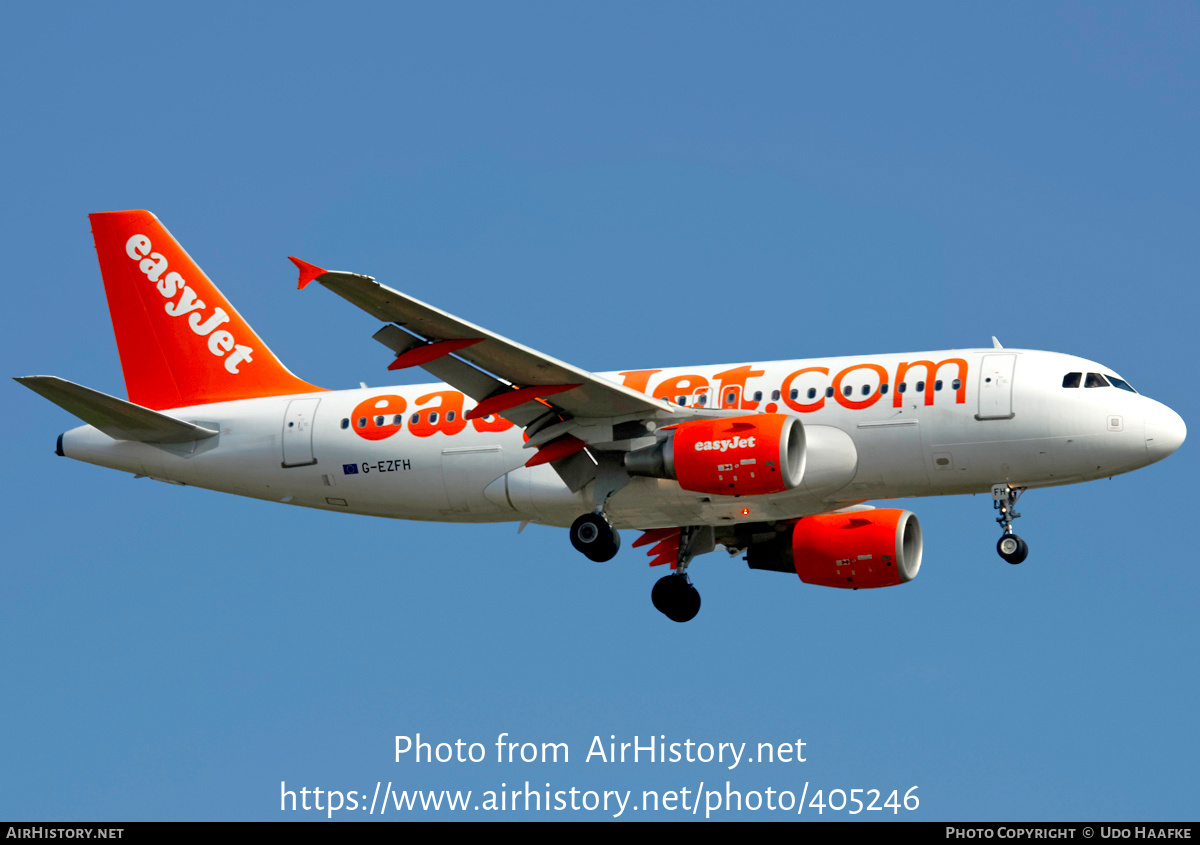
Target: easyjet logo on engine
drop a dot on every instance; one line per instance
(723, 445)
(221, 343)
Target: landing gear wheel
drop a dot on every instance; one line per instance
(592, 535)
(1012, 548)
(676, 598)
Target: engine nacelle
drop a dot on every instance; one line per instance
(875, 548)
(731, 456)
(856, 550)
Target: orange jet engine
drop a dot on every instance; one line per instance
(875, 548)
(731, 456)
(854, 550)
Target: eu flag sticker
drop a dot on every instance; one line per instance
(350, 469)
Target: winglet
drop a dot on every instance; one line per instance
(308, 272)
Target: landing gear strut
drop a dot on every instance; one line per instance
(1010, 547)
(594, 535)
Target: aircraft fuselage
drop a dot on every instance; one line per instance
(878, 427)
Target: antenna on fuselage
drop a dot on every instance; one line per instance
(995, 343)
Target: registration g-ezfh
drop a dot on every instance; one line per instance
(773, 459)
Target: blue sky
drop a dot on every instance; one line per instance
(625, 186)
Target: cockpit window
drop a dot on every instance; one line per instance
(1121, 383)
(1095, 380)
(1072, 379)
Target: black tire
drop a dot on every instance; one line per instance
(1012, 548)
(592, 535)
(662, 596)
(676, 598)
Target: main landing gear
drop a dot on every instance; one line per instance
(594, 535)
(1010, 547)
(674, 595)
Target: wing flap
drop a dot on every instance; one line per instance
(117, 418)
(460, 375)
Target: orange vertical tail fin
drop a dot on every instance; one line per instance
(180, 341)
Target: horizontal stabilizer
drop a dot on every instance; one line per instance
(117, 418)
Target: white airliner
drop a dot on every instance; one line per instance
(772, 459)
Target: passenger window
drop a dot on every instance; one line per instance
(812, 393)
(1095, 380)
(920, 387)
(956, 384)
(775, 396)
(847, 390)
(883, 388)
(730, 398)
(433, 418)
(449, 416)
(758, 396)
(346, 423)
(903, 386)
(414, 419)
(680, 400)
(795, 394)
(937, 385)
(396, 420)
(703, 400)
(1071, 379)
(829, 392)
(866, 390)
(379, 421)
(362, 422)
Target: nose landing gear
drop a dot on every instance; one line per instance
(1010, 547)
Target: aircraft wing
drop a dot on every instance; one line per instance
(519, 366)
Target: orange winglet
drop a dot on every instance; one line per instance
(559, 447)
(512, 398)
(308, 272)
(419, 355)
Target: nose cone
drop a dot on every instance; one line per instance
(1165, 432)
